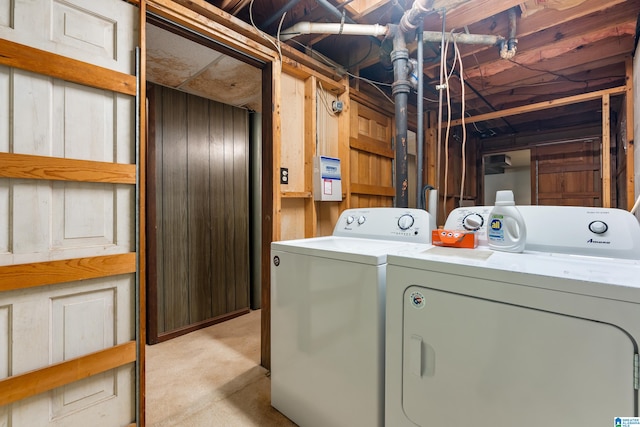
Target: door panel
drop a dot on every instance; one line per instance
(100, 33)
(473, 358)
(371, 157)
(64, 207)
(567, 174)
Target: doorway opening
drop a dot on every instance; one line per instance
(510, 170)
(205, 104)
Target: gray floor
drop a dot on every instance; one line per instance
(211, 377)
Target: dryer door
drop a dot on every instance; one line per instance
(472, 361)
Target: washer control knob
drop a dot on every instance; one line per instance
(598, 227)
(473, 222)
(350, 220)
(405, 222)
(361, 220)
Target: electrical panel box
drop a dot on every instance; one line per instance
(327, 182)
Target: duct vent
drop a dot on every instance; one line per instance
(496, 163)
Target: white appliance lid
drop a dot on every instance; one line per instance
(604, 277)
(365, 251)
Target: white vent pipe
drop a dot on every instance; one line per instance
(333, 28)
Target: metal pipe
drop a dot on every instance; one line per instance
(490, 40)
(413, 17)
(334, 10)
(332, 28)
(420, 106)
(509, 48)
(400, 90)
(279, 13)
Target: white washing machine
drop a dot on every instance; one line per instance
(327, 317)
(548, 337)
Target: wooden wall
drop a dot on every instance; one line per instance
(198, 213)
(371, 156)
(309, 128)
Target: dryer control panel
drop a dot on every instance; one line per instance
(400, 224)
(575, 230)
(473, 218)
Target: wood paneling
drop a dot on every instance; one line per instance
(202, 213)
(173, 191)
(198, 208)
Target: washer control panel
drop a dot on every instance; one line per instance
(401, 224)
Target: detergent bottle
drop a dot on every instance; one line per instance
(506, 230)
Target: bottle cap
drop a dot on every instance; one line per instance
(504, 198)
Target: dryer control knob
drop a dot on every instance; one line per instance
(472, 222)
(405, 222)
(361, 220)
(598, 227)
(350, 220)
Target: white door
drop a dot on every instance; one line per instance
(67, 213)
(486, 363)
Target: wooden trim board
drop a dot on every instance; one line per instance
(29, 384)
(540, 106)
(27, 166)
(21, 276)
(42, 62)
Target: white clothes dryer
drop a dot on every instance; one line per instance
(327, 317)
(496, 339)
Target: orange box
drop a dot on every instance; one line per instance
(454, 238)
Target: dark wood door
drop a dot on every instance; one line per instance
(567, 174)
(198, 235)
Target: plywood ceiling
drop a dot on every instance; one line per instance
(191, 67)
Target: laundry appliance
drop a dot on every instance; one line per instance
(327, 317)
(547, 337)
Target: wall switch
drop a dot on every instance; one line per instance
(284, 175)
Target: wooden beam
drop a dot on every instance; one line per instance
(629, 99)
(271, 203)
(372, 190)
(26, 166)
(142, 142)
(550, 51)
(22, 276)
(49, 64)
(344, 151)
(469, 12)
(22, 386)
(309, 151)
(540, 106)
(293, 68)
(547, 25)
(370, 145)
(210, 21)
(606, 151)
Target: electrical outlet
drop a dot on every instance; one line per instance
(284, 175)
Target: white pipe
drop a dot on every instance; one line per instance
(636, 206)
(333, 28)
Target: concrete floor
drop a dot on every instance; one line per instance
(211, 377)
